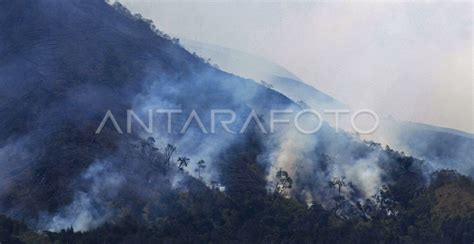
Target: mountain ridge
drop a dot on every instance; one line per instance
(71, 184)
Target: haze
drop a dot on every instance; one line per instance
(412, 61)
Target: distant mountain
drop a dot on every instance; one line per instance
(442, 147)
(263, 71)
(67, 67)
(238, 62)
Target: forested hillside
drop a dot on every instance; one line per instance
(66, 64)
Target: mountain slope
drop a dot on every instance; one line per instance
(69, 62)
(441, 147)
(64, 65)
(259, 69)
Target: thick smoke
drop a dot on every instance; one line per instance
(441, 148)
(89, 208)
(81, 180)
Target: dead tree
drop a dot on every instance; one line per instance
(183, 162)
(168, 153)
(338, 183)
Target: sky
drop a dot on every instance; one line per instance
(412, 61)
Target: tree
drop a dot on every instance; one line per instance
(338, 182)
(151, 153)
(148, 146)
(201, 166)
(386, 201)
(366, 208)
(169, 150)
(183, 162)
(284, 181)
(214, 185)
